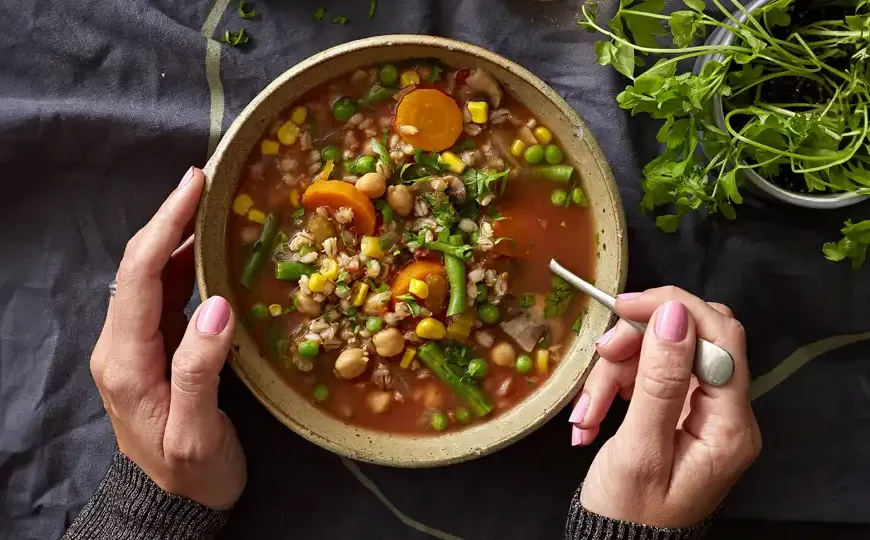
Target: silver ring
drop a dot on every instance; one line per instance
(113, 286)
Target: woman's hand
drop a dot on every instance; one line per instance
(683, 443)
(170, 426)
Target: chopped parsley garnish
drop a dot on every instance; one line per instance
(424, 166)
(344, 276)
(385, 209)
(467, 144)
(527, 300)
(319, 13)
(234, 39)
(298, 213)
(373, 5)
(383, 155)
(381, 287)
(442, 210)
(435, 74)
(559, 298)
(341, 288)
(482, 185)
(245, 14)
(339, 20)
(578, 323)
(353, 315)
(413, 306)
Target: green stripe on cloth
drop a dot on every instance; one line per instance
(213, 74)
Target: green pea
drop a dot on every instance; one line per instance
(553, 154)
(462, 415)
(343, 109)
(374, 324)
(559, 197)
(388, 74)
(364, 164)
(478, 368)
(524, 363)
(259, 310)
(534, 154)
(309, 349)
(321, 392)
(488, 313)
(482, 293)
(330, 153)
(578, 197)
(438, 421)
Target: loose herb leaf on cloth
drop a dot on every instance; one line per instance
(234, 39)
(319, 13)
(245, 14)
(853, 245)
(373, 5)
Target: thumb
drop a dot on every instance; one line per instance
(663, 376)
(196, 368)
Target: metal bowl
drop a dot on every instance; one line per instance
(758, 183)
(265, 381)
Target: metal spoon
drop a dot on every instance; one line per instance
(713, 364)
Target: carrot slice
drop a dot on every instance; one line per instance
(335, 194)
(436, 117)
(415, 270)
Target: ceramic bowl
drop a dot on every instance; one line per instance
(758, 183)
(297, 412)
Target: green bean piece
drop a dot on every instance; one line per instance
(488, 313)
(330, 153)
(309, 349)
(343, 109)
(462, 415)
(553, 154)
(376, 94)
(374, 324)
(524, 363)
(556, 173)
(321, 393)
(578, 197)
(262, 251)
(293, 270)
(534, 154)
(259, 310)
(478, 368)
(433, 356)
(455, 268)
(388, 74)
(559, 197)
(438, 421)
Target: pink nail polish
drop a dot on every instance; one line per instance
(606, 337)
(576, 436)
(579, 412)
(214, 316)
(672, 321)
(186, 178)
(628, 295)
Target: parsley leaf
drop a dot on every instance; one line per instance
(383, 155)
(483, 185)
(559, 299)
(234, 39)
(853, 245)
(413, 306)
(527, 300)
(442, 209)
(339, 20)
(298, 213)
(341, 287)
(319, 13)
(435, 74)
(578, 323)
(245, 14)
(373, 5)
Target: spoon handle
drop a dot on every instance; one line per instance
(713, 364)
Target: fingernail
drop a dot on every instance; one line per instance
(579, 412)
(628, 295)
(576, 436)
(214, 316)
(672, 321)
(605, 337)
(186, 178)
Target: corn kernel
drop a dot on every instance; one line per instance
(269, 147)
(329, 269)
(371, 247)
(543, 135)
(288, 133)
(299, 115)
(294, 197)
(275, 310)
(242, 204)
(461, 327)
(452, 162)
(419, 289)
(409, 77)
(430, 328)
(517, 148)
(542, 361)
(479, 111)
(360, 290)
(410, 352)
(256, 216)
(316, 282)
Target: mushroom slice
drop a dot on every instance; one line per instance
(525, 330)
(483, 82)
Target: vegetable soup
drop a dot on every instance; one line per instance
(390, 239)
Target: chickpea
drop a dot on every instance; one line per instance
(389, 342)
(379, 400)
(372, 185)
(351, 363)
(307, 305)
(401, 199)
(503, 354)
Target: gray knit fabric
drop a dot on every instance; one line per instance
(130, 506)
(585, 525)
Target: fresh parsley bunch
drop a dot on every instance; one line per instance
(824, 139)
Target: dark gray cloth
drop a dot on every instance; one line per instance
(104, 105)
(130, 506)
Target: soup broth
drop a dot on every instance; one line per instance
(390, 239)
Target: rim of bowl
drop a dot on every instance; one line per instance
(552, 398)
(721, 36)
